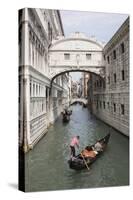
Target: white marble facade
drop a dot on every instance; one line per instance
(37, 108)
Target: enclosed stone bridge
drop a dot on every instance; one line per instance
(80, 100)
(76, 53)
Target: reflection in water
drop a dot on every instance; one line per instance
(46, 164)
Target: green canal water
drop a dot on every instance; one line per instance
(46, 166)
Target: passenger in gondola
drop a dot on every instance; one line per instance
(74, 143)
(98, 147)
(64, 111)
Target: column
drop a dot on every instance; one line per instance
(51, 117)
(38, 90)
(21, 113)
(34, 89)
(25, 38)
(26, 111)
(35, 55)
(33, 48)
(38, 60)
(31, 56)
(42, 57)
(44, 70)
(41, 61)
(26, 81)
(37, 65)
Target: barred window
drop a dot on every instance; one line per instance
(122, 47)
(66, 56)
(123, 75)
(108, 79)
(114, 54)
(122, 109)
(97, 104)
(88, 56)
(104, 104)
(100, 104)
(108, 59)
(114, 107)
(115, 77)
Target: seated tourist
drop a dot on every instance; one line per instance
(98, 147)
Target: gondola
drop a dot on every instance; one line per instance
(66, 118)
(84, 105)
(69, 112)
(66, 115)
(88, 155)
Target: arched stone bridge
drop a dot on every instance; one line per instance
(76, 53)
(82, 100)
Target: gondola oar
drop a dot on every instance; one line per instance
(85, 161)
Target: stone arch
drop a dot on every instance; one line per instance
(76, 70)
(79, 100)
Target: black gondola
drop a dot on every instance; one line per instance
(69, 112)
(66, 118)
(84, 105)
(80, 161)
(66, 115)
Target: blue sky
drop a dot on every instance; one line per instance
(101, 25)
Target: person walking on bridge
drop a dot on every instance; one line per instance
(74, 143)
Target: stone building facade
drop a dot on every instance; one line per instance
(110, 95)
(37, 107)
(84, 83)
(74, 89)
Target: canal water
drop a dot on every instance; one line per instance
(46, 166)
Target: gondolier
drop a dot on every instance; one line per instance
(74, 143)
(88, 155)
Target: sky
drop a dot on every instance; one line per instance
(101, 25)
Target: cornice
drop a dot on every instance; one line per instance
(76, 50)
(74, 39)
